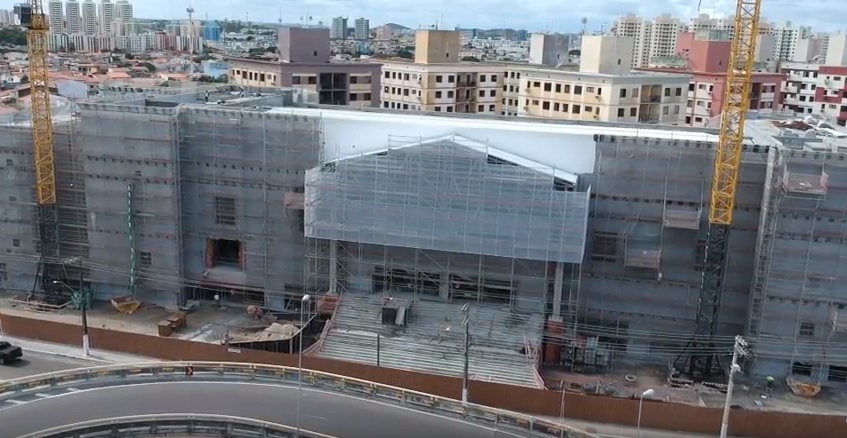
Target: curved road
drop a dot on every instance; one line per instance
(323, 412)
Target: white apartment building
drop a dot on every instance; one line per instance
(654, 38)
(362, 29)
(725, 24)
(123, 11)
(55, 9)
(89, 17)
(107, 16)
(338, 30)
(73, 17)
(7, 16)
(836, 50)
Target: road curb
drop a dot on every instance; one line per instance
(22, 343)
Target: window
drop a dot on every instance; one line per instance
(451, 79)
(633, 112)
(558, 88)
(224, 210)
(589, 109)
(145, 259)
(801, 369)
(621, 112)
(536, 85)
(548, 86)
(556, 106)
(665, 111)
(576, 109)
(545, 105)
(678, 92)
(16, 243)
(405, 76)
(564, 107)
(449, 109)
(438, 95)
(450, 94)
(676, 109)
(482, 78)
(313, 80)
(439, 79)
(492, 93)
(535, 102)
(807, 330)
(589, 89)
(480, 108)
(623, 93)
(577, 89)
(481, 93)
(604, 246)
(837, 374)
(667, 92)
(295, 80)
(493, 78)
(567, 88)
(492, 108)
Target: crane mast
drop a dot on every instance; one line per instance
(50, 268)
(703, 354)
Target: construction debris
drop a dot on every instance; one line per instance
(275, 332)
(803, 389)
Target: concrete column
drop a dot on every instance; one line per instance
(333, 266)
(558, 285)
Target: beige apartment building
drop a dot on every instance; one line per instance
(602, 88)
(305, 62)
(438, 81)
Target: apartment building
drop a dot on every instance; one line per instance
(549, 49)
(305, 62)
(654, 38)
(817, 90)
(89, 17)
(603, 87)
(438, 82)
(704, 55)
(56, 11)
(73, 18)
(362, 29)
(836, 50)
(106, 15)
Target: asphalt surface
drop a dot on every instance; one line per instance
(38, 363)
(323, 412)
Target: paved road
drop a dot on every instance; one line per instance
(37, 363)
(323, 412)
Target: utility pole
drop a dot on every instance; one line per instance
(739, 350)
(86, 299)
(377, 349)
(466, 370)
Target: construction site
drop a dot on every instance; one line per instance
(460, 237)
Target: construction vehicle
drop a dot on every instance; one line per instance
(51, 273)
(702, 354)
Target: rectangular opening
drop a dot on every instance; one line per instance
(837, 374)
(801, 369)
(145, 259)
(807, 330)
(226, 253)
(480, 290)
(224, 210)
(604, 246)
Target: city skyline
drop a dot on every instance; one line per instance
(501, 13)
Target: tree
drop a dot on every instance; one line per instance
(405, 54)
(150, 67)
(24, 79)
(271, 49)
(13, 36)
(470, 59)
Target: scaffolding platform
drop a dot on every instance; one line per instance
(839, 322)
(643, 245)
(806, 184)
(682, 218)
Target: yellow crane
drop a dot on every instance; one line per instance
(702, 352)
(51, 271)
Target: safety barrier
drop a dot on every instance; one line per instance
(289, 375)
(175, 424)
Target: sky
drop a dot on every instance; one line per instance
(533, 15)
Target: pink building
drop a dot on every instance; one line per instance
(705, 56)
(831, 93)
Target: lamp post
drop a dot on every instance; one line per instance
(739, 350)
(86, 345)
(467, 344)
(304, 304)
(646, 393)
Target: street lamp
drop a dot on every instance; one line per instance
(86, 345)
(467, 344)
(304, 304)
(646, 393)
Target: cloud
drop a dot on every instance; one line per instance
(530, 15)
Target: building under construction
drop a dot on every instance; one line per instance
(509, 242)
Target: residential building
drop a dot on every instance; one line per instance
(106, 16)
(55, 9)
(704, 55)
(123, 10)
(73, 17)
(362, 29)
(438, 82)
(7, 16)
(817, 90)
(602, 88)
(304, 63)
(338, 31)
(654, 38)
(89, 17)
(549, 49)
(836, 50)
